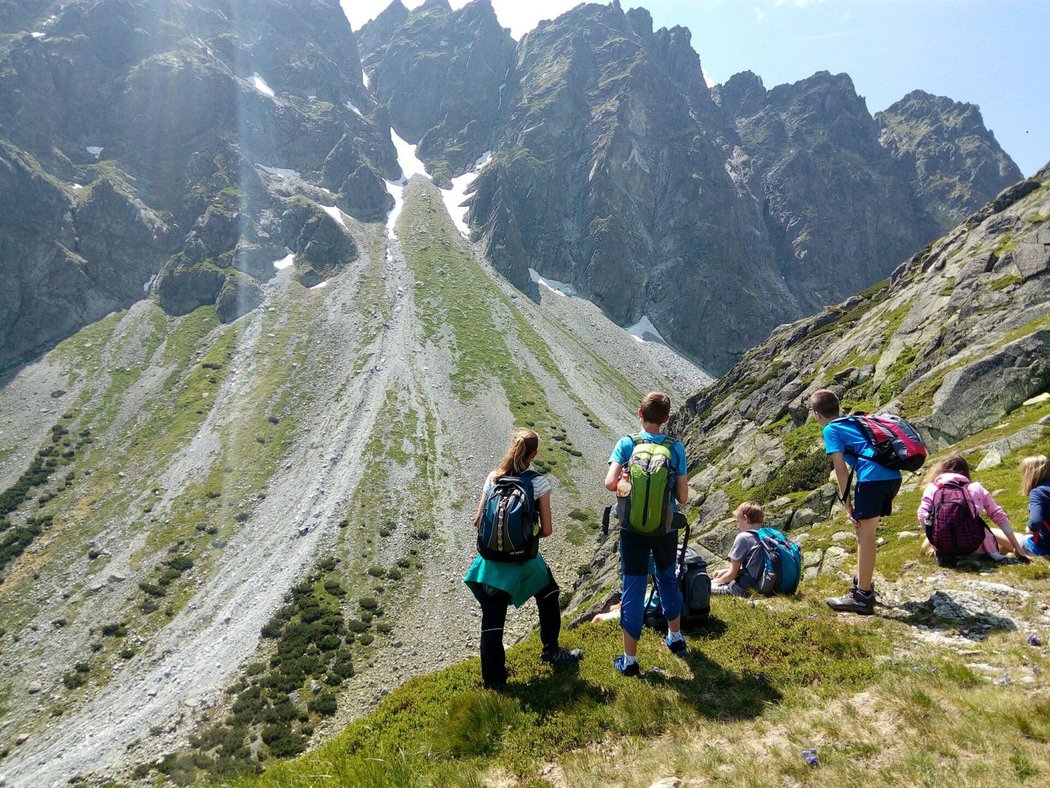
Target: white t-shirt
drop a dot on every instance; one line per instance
(540, 485)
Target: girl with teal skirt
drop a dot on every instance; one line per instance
(498, 584)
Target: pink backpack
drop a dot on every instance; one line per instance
(954, 527)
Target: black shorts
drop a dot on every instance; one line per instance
(874, 499)
(635, 549)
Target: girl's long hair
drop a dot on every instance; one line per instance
(516, 461)
(1034, 471)
(953, 463)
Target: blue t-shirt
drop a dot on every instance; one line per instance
(846, 437)
(625, 447)
(1039, 517)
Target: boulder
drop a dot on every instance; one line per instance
(979, 394)
(834, 557)
(239, 295)
(720, 538)
(805, 516)
(991, 459)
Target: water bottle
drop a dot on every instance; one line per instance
(623, 488)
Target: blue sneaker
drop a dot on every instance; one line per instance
(677, 646)
(620, 663)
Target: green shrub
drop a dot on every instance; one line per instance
(180, 563)
(152, 590)
(368, 603)
(335, 588)
(283, 743)
(367, 639)
(394, 574)
(323, 703)
(74, 680)
(376, 571)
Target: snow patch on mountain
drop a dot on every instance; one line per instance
(456, 196)
(561, 288)
(645, 331)
(95, 150)
(335, 213)
(350, 106)
(410, 165)
(284, 262)
(260, 84)
(280, 172)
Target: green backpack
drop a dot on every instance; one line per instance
(647, 508)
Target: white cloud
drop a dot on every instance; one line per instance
(760, 15)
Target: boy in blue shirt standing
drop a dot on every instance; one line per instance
(636, 547)
(872, 499)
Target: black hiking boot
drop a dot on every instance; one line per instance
(855, 601)
(561, 656)
(634, 669)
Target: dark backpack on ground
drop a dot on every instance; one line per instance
(694, 583)
(647, 508)
(782, 563)
(508, 524)
(954, 526)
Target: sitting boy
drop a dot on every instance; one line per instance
(745, 559)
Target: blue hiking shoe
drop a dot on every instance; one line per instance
(677, 646)
(626, 670)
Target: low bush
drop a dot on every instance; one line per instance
(323, 703)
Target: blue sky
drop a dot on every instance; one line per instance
(993, 53)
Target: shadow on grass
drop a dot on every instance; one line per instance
(563, 687)
(715, 692)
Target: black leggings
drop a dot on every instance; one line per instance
(494, 616)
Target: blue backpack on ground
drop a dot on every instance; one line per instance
(782, 567)
(508, 524)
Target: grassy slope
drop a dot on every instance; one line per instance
(882, 705)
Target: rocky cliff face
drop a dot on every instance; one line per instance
(950, 155)
(173, 140)
(603, 178)
(614, 167)
(954, 340)
(617, 170)
(443, 75)
(957, 340)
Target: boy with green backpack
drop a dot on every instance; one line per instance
(647, 471)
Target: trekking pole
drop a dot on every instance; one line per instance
(685, 543)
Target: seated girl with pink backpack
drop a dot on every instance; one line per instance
(952, 511)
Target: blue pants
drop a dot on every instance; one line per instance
(635, 550)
